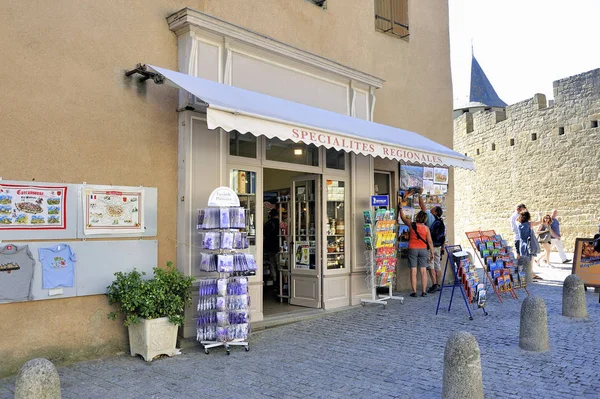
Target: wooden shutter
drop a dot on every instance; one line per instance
(400, 17)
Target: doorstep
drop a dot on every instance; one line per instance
(274, 321)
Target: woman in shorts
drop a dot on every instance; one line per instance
(420, 249)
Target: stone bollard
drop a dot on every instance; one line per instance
(573, 302)
(533, 334)
(462, 367)
(37, 379)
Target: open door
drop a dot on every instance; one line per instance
(305, 285)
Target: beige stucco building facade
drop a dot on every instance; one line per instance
(69, 114)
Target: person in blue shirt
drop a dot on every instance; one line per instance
(556, 239)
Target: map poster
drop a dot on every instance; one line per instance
(112, 211)
(29, 207)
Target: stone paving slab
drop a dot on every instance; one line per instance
(366, 352)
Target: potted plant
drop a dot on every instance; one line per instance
(153, 308)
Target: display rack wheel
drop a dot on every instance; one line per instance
(384, 306)
(228, 352)
(206, 351)
(471, 318)
(362, 303)
(246, 348)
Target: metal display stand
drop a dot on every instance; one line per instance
(472, 236)
(224, 197)
(451, 261)
(371, 257)
(371, 278)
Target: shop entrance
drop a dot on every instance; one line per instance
(291, 242)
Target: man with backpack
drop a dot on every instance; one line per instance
(438, 236)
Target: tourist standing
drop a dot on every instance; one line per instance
(544, 237)
(514, 226)
(525, 237)
(420, 249)
(556, 238)
(437, 229)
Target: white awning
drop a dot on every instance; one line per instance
(232, 108)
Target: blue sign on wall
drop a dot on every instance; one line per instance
(380, 200)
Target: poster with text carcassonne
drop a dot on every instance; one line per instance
(117, 210)
(29, 207)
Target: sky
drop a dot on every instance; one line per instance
(522, 45)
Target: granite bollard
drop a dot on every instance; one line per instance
(462, 367)
(37, 379)
(573, 299)
(533, 334)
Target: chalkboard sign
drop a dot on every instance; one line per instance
(586, 262)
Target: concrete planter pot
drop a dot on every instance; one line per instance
(150, 338)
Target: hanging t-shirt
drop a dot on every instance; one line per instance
(58, 266)
(16, 273)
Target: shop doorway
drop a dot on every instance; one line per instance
(291, 242)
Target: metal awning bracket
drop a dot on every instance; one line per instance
(142, 69)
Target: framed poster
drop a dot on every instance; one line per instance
(427, 173)
(31, 207)
(586, 262)
(411, 176)
(440, 176)
(112, 211)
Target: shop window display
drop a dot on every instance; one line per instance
(335, 224)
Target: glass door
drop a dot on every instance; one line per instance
(306, 233)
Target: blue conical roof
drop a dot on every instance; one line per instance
(482, 90)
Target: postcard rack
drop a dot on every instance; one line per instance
(499, 265)
(454, 261)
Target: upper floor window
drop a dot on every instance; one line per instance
(391, 16)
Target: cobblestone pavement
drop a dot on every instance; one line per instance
(366, 352)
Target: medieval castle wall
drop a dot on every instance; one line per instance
(544, 156)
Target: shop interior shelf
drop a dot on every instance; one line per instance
(335, 253)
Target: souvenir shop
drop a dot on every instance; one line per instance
(299, 188)
(290, 133)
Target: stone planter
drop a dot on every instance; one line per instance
(150, 338)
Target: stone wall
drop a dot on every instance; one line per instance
(545, 157)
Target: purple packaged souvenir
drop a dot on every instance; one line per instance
(222, 334)
(222, 287)
(226, 240)
(221, 303)
(222, 318)
(224, 218)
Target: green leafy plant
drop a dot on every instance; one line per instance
(136, 297)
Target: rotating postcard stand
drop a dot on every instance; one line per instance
(224, 301)
(381, 256)
(465, 278)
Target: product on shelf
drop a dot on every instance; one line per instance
(223, 303)
(223, 309)
(381, 238)
(499, 261)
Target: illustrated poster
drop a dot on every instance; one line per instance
(427, 173)
(112, 211)
(411, 176)
(302, 255)
(586, 262)
(29, 207)
(440, 175)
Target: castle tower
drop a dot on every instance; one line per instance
(482, 95)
